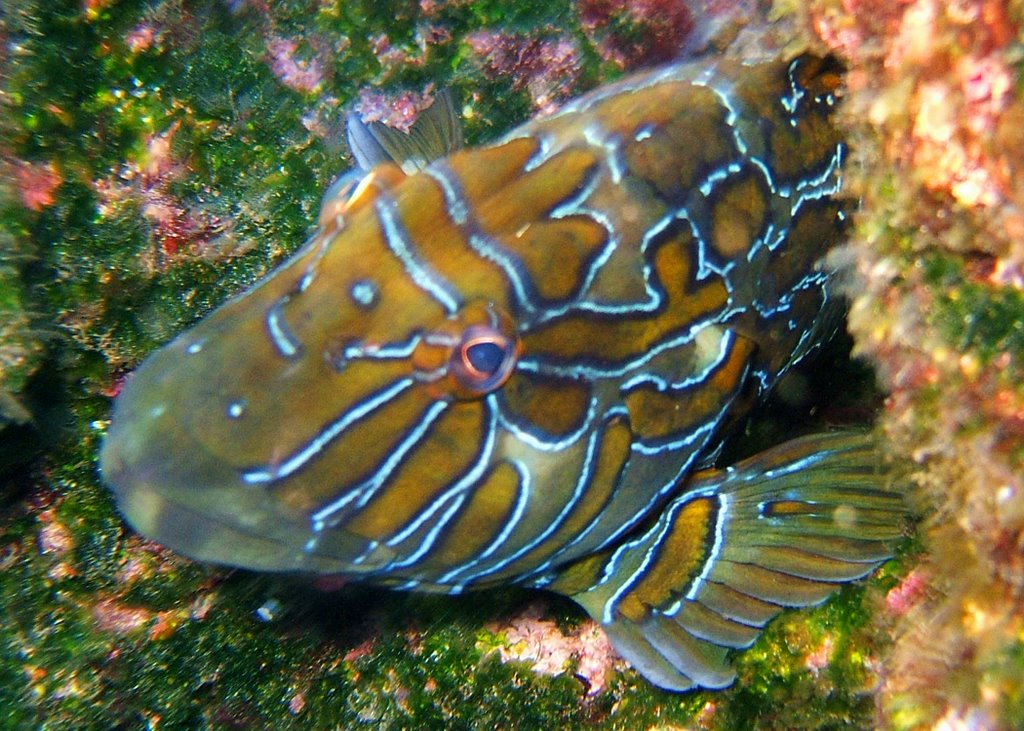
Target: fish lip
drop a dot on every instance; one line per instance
(172, 490)
(207, 530)
(154, 470)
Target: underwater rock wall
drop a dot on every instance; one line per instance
(937, 123)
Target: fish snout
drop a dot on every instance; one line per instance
(173, 490)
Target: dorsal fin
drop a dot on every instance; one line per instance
(435, 134)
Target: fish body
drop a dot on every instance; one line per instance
(511, 364)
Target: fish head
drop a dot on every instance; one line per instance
(345, 402)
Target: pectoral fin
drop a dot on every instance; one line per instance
(783, 529)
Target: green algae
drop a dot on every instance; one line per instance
(1005, 678)
(975, 316)
(21, 341)
(187, 170)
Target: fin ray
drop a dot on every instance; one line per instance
(628, 639)
(775, 586)
(706, 624)
(704, 662)
(736, 606)
(844, 549)
(783, 529)
(435, 134)
(798, 563)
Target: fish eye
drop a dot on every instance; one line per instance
(484, 359)
(484, 356)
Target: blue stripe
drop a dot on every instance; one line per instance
(368, 488)
(401, 245)
(328, 434)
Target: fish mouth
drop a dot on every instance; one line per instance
(171, 489)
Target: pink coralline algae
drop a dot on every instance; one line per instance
(142, 38)
(545, 67)
(950, 129)
(936, 119)
(819, 658)
(399, 111)
(304, 75)
(54, 536)
(37, 184)
(297, 704)
(119, 619)
(433, 7)
(954, 104)
(908, 593)
(397, 57)
(634, 33)
(551, 651)
(174, 226)
(389, 56)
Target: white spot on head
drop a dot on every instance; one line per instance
(364, 293)
(236, 409)
(195, 347)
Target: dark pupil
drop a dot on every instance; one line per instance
(485, 357)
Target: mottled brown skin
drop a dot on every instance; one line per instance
(288, 400)
(502, 365)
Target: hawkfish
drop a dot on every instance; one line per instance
(516, 364)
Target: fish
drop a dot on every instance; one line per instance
(517, 363)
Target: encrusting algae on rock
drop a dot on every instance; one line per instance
(935, 110)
